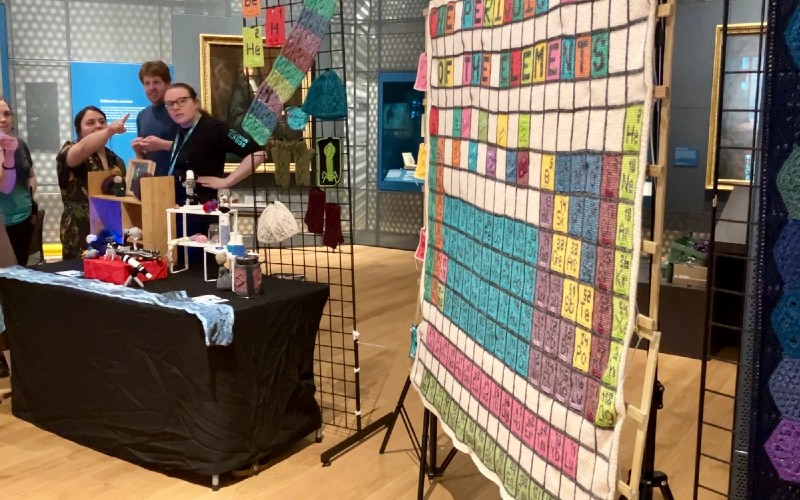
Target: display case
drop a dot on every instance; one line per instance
(400, 115)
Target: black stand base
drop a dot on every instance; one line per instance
(653, 480)
(389, 420)
(429, 428)
(657, 480)
(425, 451)
(400, 411)
(327, 456)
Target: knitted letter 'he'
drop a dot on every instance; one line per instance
(289, 69)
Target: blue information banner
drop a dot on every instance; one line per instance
(115, 88)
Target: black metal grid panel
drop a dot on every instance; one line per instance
(336, 355)
(723, 442)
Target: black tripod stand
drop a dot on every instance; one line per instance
(430, 430)
(429, 440)
(400, 411)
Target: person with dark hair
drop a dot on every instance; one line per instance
(201, 145)
(17, 184)
(73, 164)
(154, 127)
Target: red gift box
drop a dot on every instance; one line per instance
(116, 271)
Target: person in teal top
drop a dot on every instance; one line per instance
(17, 184)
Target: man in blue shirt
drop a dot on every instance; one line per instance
(155, 128)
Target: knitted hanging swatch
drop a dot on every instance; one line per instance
(289, 69)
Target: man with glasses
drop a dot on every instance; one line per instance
(155, 128)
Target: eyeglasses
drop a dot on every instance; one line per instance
(177, 103)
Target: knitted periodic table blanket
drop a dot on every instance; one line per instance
(537, 153)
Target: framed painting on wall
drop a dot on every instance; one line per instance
(227, 89)
(743, 87)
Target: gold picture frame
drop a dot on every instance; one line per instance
(136, 169)
(226, 91)
(741, 115)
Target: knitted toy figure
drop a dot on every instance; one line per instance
(135, 234)
(224, 205)
(210, 206)
(92, 252)
(111, 251)
(136, 186)
(113, 185)
(224, 274)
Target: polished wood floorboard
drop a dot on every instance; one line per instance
(37, 464)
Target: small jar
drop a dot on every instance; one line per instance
(213, 233)
(247, 276)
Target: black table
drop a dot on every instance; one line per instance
(137, 381)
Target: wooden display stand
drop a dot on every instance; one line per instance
(123, 212)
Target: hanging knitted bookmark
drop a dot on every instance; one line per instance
(315, 213)
(289, 69)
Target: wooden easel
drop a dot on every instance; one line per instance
(647, 326)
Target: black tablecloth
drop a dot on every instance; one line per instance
(137, 381)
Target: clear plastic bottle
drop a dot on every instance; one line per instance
(224, 229)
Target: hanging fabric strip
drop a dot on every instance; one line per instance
(289, 69)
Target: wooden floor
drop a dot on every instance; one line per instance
(37, 464)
